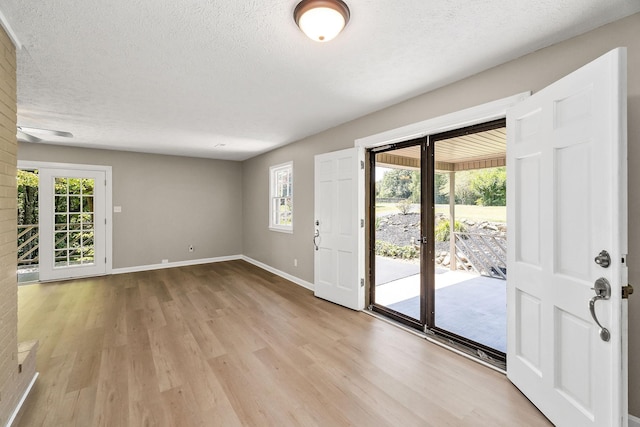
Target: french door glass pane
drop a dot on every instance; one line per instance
(470, 248)
(397, 231)
(74, 227)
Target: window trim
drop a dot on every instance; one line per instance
(272, 195)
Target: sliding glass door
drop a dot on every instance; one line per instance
(438, 236)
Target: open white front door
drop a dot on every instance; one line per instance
(337, 228)
(567, 192)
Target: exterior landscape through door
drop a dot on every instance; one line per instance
(567, 202)
(72, 223)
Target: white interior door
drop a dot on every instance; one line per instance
(336, 261)
(72, 219)
(567, 193)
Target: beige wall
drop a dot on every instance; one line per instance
(10, 388)
(531, 72)
(168, 203)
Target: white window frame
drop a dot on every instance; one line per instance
(273, 196)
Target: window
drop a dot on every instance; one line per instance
(281, 197)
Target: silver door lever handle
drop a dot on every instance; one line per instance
(315, 236)
(603, 292)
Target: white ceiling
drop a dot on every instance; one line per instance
(231, 79)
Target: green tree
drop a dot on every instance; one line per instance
(27, 197)
(27, 182)
(465, 195)
(415, 186)
(396, 183)
(484, 187)
(441, 188)
(491, 186)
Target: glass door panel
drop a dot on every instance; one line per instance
(438, 256)
(72, 218)
(469, 232)
(397, 232)
(28, 230)
(74, 227)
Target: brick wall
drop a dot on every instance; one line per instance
(10, 384)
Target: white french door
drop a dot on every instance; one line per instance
(337, 229)
(72, 223)
(567, 203)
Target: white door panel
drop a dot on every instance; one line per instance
(566, 153)
(336, 262)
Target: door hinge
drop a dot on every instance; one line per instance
(105, 260)
(626, 291)
(362, 283)
(105, 221)
(362, 164)
(362, 223)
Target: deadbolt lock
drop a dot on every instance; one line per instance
(603, 259)
(626, 291)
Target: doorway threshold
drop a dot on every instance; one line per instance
(27, 276)
(459, 349)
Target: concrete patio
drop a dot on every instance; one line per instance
(467, 304)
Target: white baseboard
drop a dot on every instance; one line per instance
(266, 267)
(634, 421)
(175, 264)
(280, 273)
(22, 399)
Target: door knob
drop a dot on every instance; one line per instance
(603, 292)
(603, 259)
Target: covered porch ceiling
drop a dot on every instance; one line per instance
(486, 149)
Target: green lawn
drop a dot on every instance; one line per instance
(476, 213)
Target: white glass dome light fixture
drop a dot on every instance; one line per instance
(321, 20)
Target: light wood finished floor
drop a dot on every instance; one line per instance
(230, 344)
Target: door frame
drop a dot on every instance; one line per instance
(487, 112)
(424, 263)
(28, 164)
(479, 114)
(426, 321)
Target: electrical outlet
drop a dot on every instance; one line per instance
(191, 248)
(295, 262)
(165, 261)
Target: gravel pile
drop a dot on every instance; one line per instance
(403, 230)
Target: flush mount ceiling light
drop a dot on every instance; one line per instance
(321, 20)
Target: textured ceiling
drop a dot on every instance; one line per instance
(231, 79)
